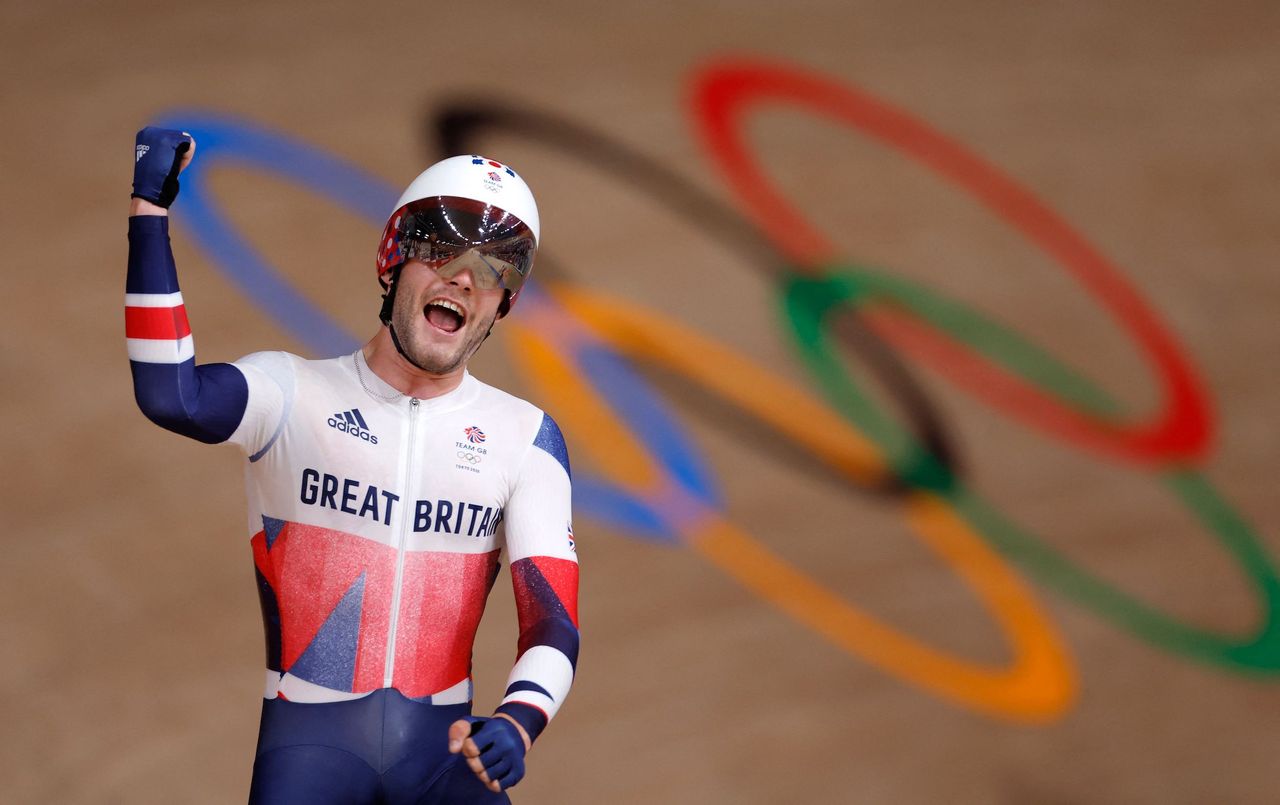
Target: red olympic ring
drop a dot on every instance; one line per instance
(1182, 432)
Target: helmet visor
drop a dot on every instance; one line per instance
(450, 234)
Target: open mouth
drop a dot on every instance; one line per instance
(445, 315)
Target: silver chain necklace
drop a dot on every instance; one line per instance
(360, 375)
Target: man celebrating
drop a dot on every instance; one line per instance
(383, 487)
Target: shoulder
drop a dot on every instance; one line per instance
(538, 427)
(513, 409)
(266, 369)
(293, 374)
(273, 362)
(281, 365)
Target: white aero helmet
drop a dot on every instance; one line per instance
(465, 206)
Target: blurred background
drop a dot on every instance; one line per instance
(1061, 588)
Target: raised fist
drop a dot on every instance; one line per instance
(159, 156)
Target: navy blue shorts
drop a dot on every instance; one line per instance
(382, 748)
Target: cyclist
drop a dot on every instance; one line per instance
(383, 487)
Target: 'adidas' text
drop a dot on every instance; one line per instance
(353, 423)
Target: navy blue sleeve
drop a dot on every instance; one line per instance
(203, 402)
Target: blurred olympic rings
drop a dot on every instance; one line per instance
(724, 92)
(574, 344)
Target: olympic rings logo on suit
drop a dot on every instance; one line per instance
(656, 486)
(470, 458)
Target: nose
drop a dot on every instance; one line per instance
(470, 271)
(458, 273)
(462, 279)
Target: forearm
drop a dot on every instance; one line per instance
(546, 591)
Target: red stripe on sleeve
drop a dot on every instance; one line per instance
(169, 323)
(562, 575)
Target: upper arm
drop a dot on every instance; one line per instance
(245, 403)
(271, 381)
(206, 403)
(543, 556)
(539, 514)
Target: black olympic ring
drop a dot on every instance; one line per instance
(453, 127)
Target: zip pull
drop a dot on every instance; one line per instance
(413, 402)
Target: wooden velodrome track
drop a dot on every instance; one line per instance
(129, 623)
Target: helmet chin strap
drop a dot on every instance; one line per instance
(384, 316)
(389, 296)
(396, 340)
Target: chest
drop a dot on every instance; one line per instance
(390, 471)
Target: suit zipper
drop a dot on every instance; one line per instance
(389, 669)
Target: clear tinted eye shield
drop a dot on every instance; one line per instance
(452, 235)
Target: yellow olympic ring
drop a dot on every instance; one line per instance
(1038, 685)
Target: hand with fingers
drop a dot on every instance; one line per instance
(494, 749)
(159, 156)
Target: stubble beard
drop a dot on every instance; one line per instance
(412, 328)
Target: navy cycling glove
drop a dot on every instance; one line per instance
(157, 159)
(501, 749)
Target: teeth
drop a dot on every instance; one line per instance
(447, 305)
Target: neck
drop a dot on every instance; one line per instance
(392, 368)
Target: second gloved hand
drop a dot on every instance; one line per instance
(494, 749)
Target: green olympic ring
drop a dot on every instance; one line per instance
(808, 302)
